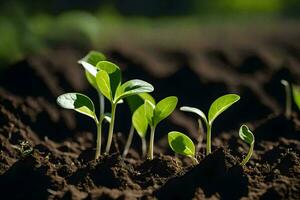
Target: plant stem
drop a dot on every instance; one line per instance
(247, 158)
(151, 143)
(144, 147)
(129, 140)
(98, 145)
(208, 139)
(111, 127)
(200, 137)
(288, 99)
(101, 103)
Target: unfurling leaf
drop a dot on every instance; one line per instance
(246, 135)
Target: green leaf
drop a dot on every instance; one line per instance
(296, 95)
(220, 105)
(181, 144)
(194, 110)
(133, 87)
(103, 83)
(93, 57)
(89, 62)
(139, 121)
(78, 102)
(136, 101)
(246, 135)
(91, 79)
(113, 72)
(149, 110)
(164, 108)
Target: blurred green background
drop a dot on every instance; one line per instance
(28, 26)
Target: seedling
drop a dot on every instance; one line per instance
(288, 98)
(108, 80)
(217, 107)
(155, 114)
(182, 144)
(84, 105)
(138, 120)
(247, 136)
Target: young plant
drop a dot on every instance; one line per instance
(247, 136)
(84, 105)
(138, 120)
(217, 107)
(155, 114)
(108, 80)
(182, 144)
(89, 62)
(288, 98)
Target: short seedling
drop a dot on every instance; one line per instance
(217, 107)
(155, 114)
(247, 136)
(108, 80)
(84, 105)
(138, 121)
(182, 144)
(288, 98)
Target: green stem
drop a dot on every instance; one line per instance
(247, 158)
(98, 147)
(288, 108)
(208, 139)
(144, 147)
(129, 141)
(101, 103)
(200, 135)
(151, 143)
(111, 127)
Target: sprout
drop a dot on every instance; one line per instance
(105, 77)
(288, 98)
(138, 121)
(182, 144)
(155, 114)
(247, 136)
(217, 107)
(84, 105)
(108, 80)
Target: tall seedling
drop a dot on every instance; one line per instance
(108, 80)
(138, 120)
(82, 103)
(217, 107)
(155, 114)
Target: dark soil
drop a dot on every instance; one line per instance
(47, 152)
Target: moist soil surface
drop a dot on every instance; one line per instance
(47, 152)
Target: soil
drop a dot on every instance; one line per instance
(47, 152)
